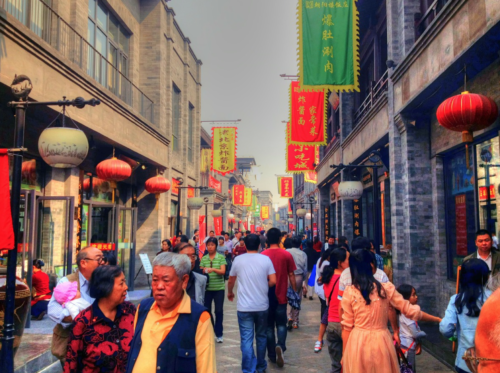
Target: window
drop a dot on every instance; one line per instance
(190, 133)
(109, 41)
(176, 117)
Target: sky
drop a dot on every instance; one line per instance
(244, 47)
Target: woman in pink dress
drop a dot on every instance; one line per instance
(368, 345)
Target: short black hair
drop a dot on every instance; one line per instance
(102, 281)
(360, 243)
(342, 239)
(288, 243)
(184, 238)
(273, 236)
(181, 246)
(296, 242)
(213, 240)
(212, 232)
(247, 232)
(283, 233)
(110, 256)
(482, 232)
(252, 242)
(196, 230)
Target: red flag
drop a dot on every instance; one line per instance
(252, 228)
(286, 187)
(307, 116)
(215, 184)
(238, 195)
(300, 158)
(245, 225)
(218, 225)
(6, 227)
(175, 186)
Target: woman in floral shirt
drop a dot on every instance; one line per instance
(101, 334)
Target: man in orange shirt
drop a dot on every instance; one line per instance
(172, 332)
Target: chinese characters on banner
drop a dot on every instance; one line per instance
(286, 187)
(215, 184)
(326, 220)
(191, 193)
(264, 212)
(218, 225)
(483, 193)
(238, 194)
(299, 158)
(104, 246)
(461, 224)
(307, 116)
(205, 160)
(328, 45)
(175, 186)
(223, 150)
(257, 211)
(247, 197)
(356, 214)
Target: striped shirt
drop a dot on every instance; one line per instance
(216, 282)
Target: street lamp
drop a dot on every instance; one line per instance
(21, 88)
(302, 212)
(180, 181)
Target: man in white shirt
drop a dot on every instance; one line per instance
(236, 239)
(484, 244)
(255, 274)
(210, 235)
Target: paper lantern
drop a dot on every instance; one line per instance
(350, 190)
(113, 170)
(157, 185)
(301, 213)
(195, 203)
(63, 147)
(216, 213)
(230, 216)
(28, 171)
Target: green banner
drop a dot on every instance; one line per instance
(256, 214)
(328, 45)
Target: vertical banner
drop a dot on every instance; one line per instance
(291, 227)
(215, 184)
(326, 220)
(202, 223)
(218, 225)
(224, 149)
(190, 192)
(175, 186)
(245, 225)
(238, 195)
(277, 217)
(286, 187)
(299, 158)
(290, 210)
(247, 197)
(308, 121)
(328, 45)
(356, 214)
(252, 228)
(461, 224)
(257, 211)
(205, 160)
(264, 212)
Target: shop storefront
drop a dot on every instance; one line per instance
(471, 189)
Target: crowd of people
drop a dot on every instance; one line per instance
(176, 330)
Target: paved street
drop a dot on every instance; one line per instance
(300, 356)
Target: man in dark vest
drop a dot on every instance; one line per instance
(173, 333)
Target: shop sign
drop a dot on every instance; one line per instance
(461, 224)
(356, 214)
(191, 192)
(326, 219)
(367, 179)
(483, 193)
(104, 246)
(175, 186)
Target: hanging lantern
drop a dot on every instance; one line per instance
(350, 190)
(113, 170)
(216, 213)
(97, 185)
(467, 113)
(157, 185)
(290, 220)
(63, 147)
(195, 203)
(230, 216)
(28, 171)
(301, 213)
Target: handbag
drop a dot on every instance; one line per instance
(404, 366)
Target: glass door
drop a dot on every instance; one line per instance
(100, 223)
(126, 227)
(54, 234)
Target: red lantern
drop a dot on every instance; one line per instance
(157, 185)
(96, 185)
(467, 113)
(113, 170)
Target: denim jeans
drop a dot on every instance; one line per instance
(334, 338)
(248, 323)
(218, 298)
(276, 319)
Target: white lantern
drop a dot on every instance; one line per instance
(290, 220)
(216, 213)
(301, 213)
(63, 147)
(195, 203)
(350, 189)
(308, 216)
(230, 216)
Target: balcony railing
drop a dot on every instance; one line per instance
(422, 21)
(40, 18)
(376, 91)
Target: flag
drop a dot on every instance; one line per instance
(238, 195)
(299, 158)
(308, 119)
(218, 225)
(201, 222)
(224, 150)
(264, 212)
(205, 160)
(215, 184)
(191, 193)
(175, 186)
(252, 228)
(311, 177)
(328, 45)
(247, 197)
(6, 227)
(286, 187)
(256, 213)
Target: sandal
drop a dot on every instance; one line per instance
(318, 346)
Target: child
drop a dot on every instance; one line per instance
(240, 248)
(409, 331)
(68, 296)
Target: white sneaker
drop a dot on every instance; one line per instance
(219, 339)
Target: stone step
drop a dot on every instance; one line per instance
(55, 367)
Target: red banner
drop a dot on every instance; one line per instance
(175, 186)
(201, 222)
(300, 158)
(245, 225)
(252, 228)
(6, 227)
(461, 224)
(104, 246)
(191, 192)
(238, 194)
(264, 212)
(483, 193)
(308, 116)
(218, 225)
(291, 227)
(286, 187)
(290, 210)
(215, 184)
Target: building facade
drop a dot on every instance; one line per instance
(134, 58)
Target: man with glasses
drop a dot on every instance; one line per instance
(87, 260)
(197, 283)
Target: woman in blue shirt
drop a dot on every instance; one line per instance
(463, 310)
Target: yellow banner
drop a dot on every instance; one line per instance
(247, 197)
(264, 212)
(205, 160)
(224, 150)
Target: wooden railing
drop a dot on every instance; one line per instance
(40, 18)
(377, 89)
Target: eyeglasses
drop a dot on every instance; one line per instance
(99, 260)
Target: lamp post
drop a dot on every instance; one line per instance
(374, 158)
(21, 88)
(179, 187)
(312, 201)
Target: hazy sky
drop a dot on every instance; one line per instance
(245, 46)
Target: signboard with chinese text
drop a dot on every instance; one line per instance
(191, 193)
(461, 224)
(264, 212)
(256, 214)
(308, 121)
(328, 45)
(175, 186)
(483, 193)
(215, 184)
(238, 194)
(300, 158)
(218, 225)
(286, 187)
(104, 246)
(148, 269)
(247, 197)
(224, 150)
(356, 218)
(326, 221)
